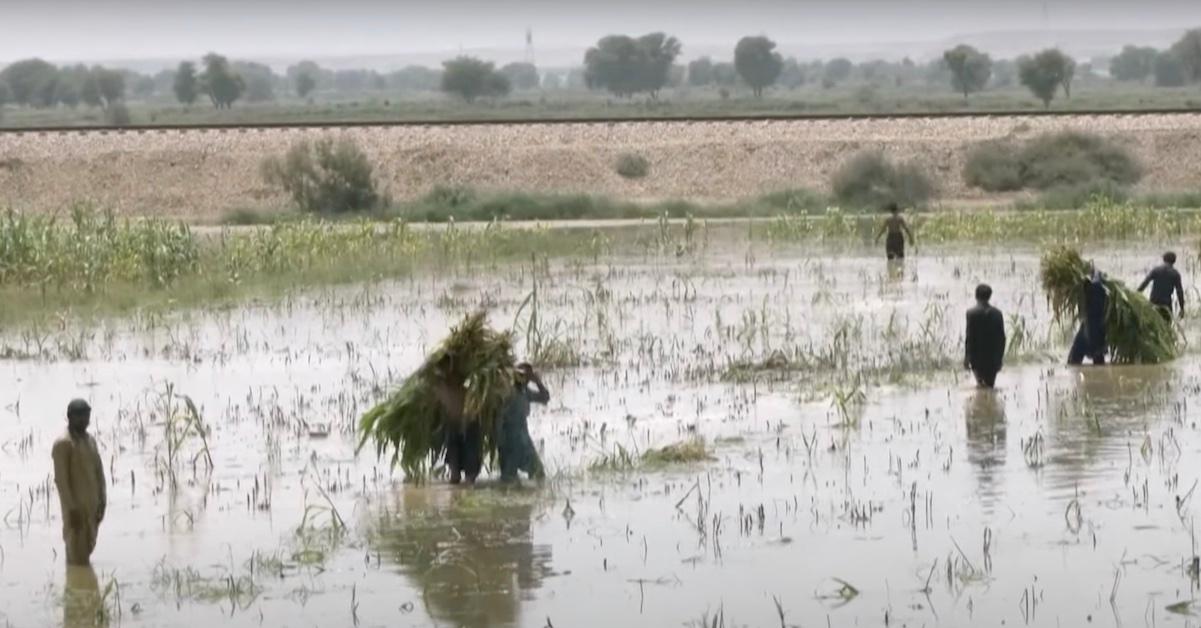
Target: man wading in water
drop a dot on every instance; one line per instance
(464, 447)
(1090, 339)
(79, 476)
(515, 447)
(1164, 280)
(984, 342)
(897, 229)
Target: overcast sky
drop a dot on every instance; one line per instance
(111, 29)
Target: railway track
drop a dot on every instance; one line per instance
(884, 117)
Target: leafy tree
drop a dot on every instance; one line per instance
(1169, 71)
(700, 72)
(1044, 73)
(1133, 64)
(305, 84)
(837, 71)
(220, 82)
(1188, 51)
(758, 63)
(32, 82)
(626, 66)
(970, 69)
(68, 89)
(521, 75)
(111, 84)
(186, 85)
(470, 78)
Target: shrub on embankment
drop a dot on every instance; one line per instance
(1063, 165)
(325, 176)
(870, 180)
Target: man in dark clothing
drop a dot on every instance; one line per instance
(1090, 339)
(984, 342)
(513, 443)
(1164, 280)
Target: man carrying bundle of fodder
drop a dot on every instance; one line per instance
(449, 405)
(1113, 319)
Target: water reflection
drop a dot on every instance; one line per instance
(471, 552)
(82, 604)
(984, 418)
(1094, 419)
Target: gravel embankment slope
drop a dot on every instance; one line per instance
(201, 174)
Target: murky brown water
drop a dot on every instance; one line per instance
(1063, 498)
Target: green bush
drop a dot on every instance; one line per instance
(1074, 158)
(1062, 160)
(993, 166)
(870, 180)
(325, 176)
(633, 166)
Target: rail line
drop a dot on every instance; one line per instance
(732, 119)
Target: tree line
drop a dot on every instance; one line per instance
(622, 65)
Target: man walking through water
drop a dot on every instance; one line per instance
(984, 341)
(79, 476)
(463, 442)
(1090, 339)
(897, 229)
(1164, 280)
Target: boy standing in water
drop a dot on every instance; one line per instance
(984, 341)
(514, 444)
(897, 229)
(79, 476)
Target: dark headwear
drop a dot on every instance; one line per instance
(78, 407)
(983, 292)
(892, 208)
(1169, 257)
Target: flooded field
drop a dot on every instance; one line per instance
(856, 477)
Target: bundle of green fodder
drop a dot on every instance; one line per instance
(412, 423)
(1134, 329)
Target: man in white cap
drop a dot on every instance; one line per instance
(79, 475)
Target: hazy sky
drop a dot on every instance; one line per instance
(111, 29)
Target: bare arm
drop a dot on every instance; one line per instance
(880, 233)
(908, 232)
(1146, 282)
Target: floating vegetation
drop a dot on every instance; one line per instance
(1135, 331)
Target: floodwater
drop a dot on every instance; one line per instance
(858, 478)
